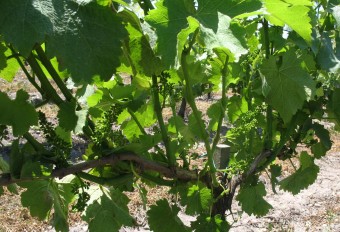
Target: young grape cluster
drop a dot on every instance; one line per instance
(83, 197)
(59, 148)
(168, 89)
(104, 134)
(247, 122)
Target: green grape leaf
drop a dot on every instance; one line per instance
(34, 24)
(145, 116)
(292, 13)
(327, 57)
(236, 107)
(95, 98)
(169, 221)
(196, 198)
(193, 125)
(80, 44)
(196, 71)
(303, 177)
(143, 82)
(214, 112)
(63, 134)
(70, 118)
(169, 21)
(103, 98)
(251, 199)
(3, 59)
(5, 168)
(333, 108)
(8, 73)
(34, 169)
(108, 213)
(131, 130)
(41, 195)
(13, 188)
(288, 85)
(12, 112)
(319, 150)
(16, 159)
(141, 55)
(229, 37)
(8, 67)
(62, 197)
(183, 35)
(183, 129)
(323, 135)
(67, 116)
(275, 171)
(208, 224)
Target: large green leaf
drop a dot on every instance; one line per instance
(3, 60)
(214, 112)
(12, 112)
(70, 118)
(24, 23)
(327, 58)
(228, 36)
(275, 172)
(163, 218)
(145, 117)
(210, 224)
(142, 57)
(303, 177)
(37, 198)
(41, 195)
(183, 35)
(177, 122)
(108, 213)
(8, 67)
(196, 198)
(5, 168)
(170, 17)
(293, 13)
(10, 70)
(286, 85)
(333, 108)
(323, 135)
(236, 107)
(86, 39)
(251, 199)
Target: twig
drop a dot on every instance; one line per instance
(237, 180)
(180, 174)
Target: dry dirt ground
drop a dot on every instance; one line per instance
(314, 209)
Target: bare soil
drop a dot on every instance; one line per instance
(314, 209)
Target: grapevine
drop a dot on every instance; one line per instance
(116, 72)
